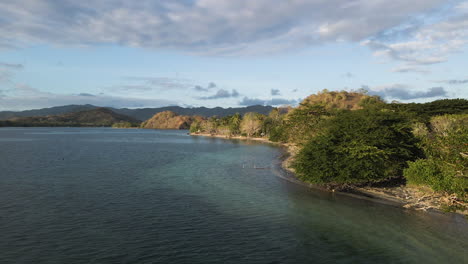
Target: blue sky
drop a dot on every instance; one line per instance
(228, 53)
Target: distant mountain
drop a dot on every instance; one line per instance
(141, 113)
(91, 118)
(57, 110)
(147, 113)
(170, 120)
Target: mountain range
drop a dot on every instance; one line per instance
(97, 117)
(140, 114)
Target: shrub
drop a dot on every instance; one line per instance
(251, 124)
(437, 175)
(444, 141)
(358, 147)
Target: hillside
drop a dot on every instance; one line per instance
(89, 118)
(339, 100)
(141, 113)
(57, 110)
(169, 120)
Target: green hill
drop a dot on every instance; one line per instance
(88, 118)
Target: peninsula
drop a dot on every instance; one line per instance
(413, 154)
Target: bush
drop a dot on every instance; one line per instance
(195, 127)
(444, 141)
(303, 123)
(437, 175)
(278, 134)
(358, 147)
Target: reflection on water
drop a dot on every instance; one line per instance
(74, 195)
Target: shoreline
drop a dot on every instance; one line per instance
(403, 196)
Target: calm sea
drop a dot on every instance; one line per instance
(98, 195)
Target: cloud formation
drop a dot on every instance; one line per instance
(13, 66)
(86, 94)
(246, 101)
(139, 85)
(7, 71)
(165, 83)
(275, 92)
(23, 97)
(220, 94)
(404, 92)
(210, 86)
(454, 82)
(409, 69)
(348, 75)
(202, 26)
(422, 43)
(130, 88)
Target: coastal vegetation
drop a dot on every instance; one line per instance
(357, 147)
(125, 124)
(169, 120)
(445, 143)
(348, 139)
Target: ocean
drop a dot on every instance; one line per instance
(102, 195)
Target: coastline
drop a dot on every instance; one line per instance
(403, 196)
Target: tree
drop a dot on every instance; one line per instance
(357, 147)
(303, 122)
(251, 124)
(234, 124)
(444, 141)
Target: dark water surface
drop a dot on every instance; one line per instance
(96, 195)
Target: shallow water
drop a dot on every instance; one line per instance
(99, 195)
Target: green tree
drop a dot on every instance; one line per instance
(302, 123)
(444, 141)
(357, 147)
(234, 124)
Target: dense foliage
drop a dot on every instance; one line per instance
(423, 112)
(354, 138)
(445, 143)
(301, 124)
(124, 124)
(358, 147)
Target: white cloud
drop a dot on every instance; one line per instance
(426, 43)
(407, 68)
(203, 26)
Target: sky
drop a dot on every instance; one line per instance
(228, 53)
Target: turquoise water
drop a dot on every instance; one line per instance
(98, 195)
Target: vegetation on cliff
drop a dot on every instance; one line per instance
(169, 120)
